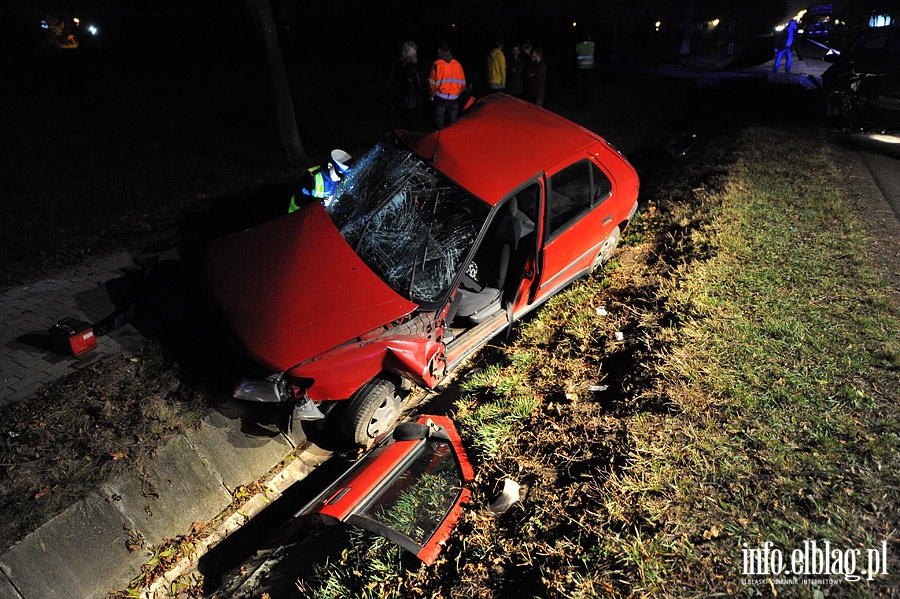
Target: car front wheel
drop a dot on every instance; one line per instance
(607, 249)
(372, 411)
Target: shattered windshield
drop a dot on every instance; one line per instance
(409, 223)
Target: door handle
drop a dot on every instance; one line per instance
(607, 219)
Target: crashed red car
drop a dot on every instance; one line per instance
(431, 246)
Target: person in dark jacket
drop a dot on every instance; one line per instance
(515, 72)
(537, 77)
(408, 89)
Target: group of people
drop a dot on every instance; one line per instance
(523, 74)
(445, 84)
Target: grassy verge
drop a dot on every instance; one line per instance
(107, 418)
(750, 398)
(782, 373)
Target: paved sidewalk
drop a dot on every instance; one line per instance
(27, 361)
(83, 552)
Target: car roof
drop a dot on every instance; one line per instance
(500, 143)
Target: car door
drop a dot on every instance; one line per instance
(578, 215)
(409, 488)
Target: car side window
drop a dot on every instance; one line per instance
(572, 192)
(601, 184)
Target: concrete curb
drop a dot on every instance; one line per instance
(295, 471)
(83, 553)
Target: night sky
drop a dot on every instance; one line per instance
(354, 27)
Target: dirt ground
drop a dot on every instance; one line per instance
(873, 210)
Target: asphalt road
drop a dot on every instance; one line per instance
(881, 155)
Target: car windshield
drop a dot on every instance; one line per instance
(410, 224)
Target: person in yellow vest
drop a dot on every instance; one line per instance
(584, 62)
(497, 68)
(320, 182)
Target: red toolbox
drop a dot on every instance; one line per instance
(73, 335)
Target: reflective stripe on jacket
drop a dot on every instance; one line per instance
(447, 79)
(315, 183)
(585, 52)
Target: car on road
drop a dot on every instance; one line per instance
(862, 86)
(431, 246)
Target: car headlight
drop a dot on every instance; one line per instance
(274, 389)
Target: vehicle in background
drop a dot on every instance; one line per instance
(816, 23)
(862, 86)
(432, 245)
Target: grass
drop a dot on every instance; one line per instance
(753, 398)
(76, 433)
(777, 369)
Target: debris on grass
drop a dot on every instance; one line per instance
(750, 406)
(102, 420)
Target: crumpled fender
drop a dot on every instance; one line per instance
(339, 373)
(416, 356)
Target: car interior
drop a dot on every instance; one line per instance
(494, 274)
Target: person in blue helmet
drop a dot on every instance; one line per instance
(321, 181)
(784, 47)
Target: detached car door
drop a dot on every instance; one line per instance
(409, 489)
(579, 214)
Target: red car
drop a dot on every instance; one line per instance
(431, 246)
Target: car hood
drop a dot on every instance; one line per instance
(293, 288)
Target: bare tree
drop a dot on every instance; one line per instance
(261, 10)
(688, 28)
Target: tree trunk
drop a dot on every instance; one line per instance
(688, 29)
(261, 10)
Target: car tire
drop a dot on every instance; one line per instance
(607, 249)
(372, 411)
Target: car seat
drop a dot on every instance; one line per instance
(481, 288)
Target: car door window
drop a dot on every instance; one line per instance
(601, 184)
(574, 191)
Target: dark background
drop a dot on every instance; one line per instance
(168, 114)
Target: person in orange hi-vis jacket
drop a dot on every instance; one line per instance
(446, 82)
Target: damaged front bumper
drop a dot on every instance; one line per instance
(275, 389)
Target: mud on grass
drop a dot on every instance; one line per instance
(109, 417)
